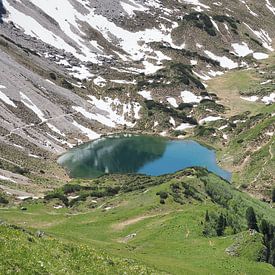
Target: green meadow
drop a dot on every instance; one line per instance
(158, 235)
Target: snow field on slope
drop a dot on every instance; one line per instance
(68, 18)
(109, 108)
(5, 98)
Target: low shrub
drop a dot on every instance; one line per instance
(3, 200)
(163, 195)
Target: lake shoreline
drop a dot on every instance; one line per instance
(135, 153)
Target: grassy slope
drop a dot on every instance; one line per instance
(231, 85)
(23, 253)
(168, 237)
(249, 153)
(228, 88)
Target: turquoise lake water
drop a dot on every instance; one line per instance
(141, 154)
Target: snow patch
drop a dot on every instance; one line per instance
(260, 56)
(189, 97)
(263, 36)
(215, 73)
(98, 117)
(172, 121)
(112, 118)
(270, 7)
(7, 179)
(5, 98)
(88, 132)
(269, 99)
(131, 8)
(54, 129)
(209, 119)
(196, 3)
(202, 76)
(172, 102)
(18, 146)
(225, 62)
(223, 127)
(80, 72)
(184, 126)
(34, 156)
(145, 94)
(241, 49)
(252, 98)
(266, 82)
(120, 81)
(100, 81)
(29, 104)
(49, 81)
(133, 43)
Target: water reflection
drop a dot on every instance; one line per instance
(121, 154)
(148, 155)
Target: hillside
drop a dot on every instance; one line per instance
(159, 221)
(87, 72)
(72, 72)
(23, 252)
(143, 66)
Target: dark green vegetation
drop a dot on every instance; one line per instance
(176, 73)
(3, 199)
(191, 222)
(201, 21)
(154, 106)
(227, 19)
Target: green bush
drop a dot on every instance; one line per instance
(183, 106)
(57, 195)
(251, 219)
(52, 76)
(220, 194)
(201, 21)
(162, 201)
(162, 194)
(190, 191)
(66, 84)
(71, 188)
(3, 200)
(80, 198)
(19, 170)
(224, 18)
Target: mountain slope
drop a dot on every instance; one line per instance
(112, 47)
(24, 252)
(73, 72)
(159, 221)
